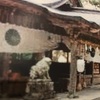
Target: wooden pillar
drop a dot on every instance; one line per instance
(73, 71)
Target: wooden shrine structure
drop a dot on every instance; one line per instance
(74, 30)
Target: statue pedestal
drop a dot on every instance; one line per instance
(41, 89)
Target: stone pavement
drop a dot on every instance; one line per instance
(90, 93)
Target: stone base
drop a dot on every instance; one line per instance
(41, 90)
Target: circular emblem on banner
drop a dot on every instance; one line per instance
(12, 37)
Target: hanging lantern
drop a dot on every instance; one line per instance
(80, 65)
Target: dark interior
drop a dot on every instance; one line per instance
(59, 73)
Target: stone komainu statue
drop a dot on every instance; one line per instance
(40, 85)
(40, 70)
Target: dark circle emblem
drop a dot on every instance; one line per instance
(12, 37)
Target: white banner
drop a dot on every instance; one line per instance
(31, 40)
